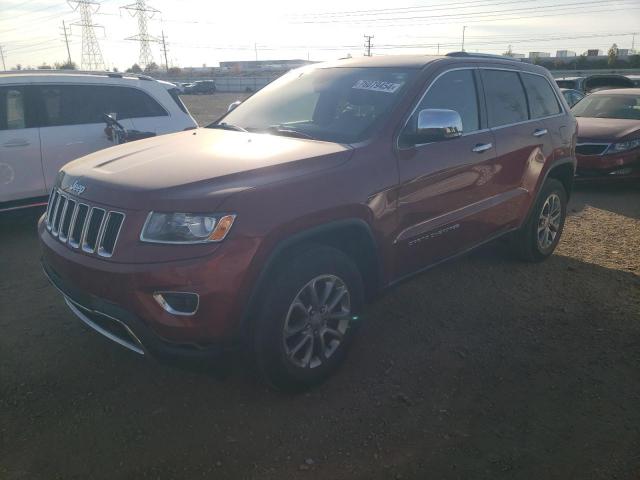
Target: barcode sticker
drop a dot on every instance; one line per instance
(377, 86)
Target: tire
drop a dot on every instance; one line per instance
(528, 243)
(294, 360)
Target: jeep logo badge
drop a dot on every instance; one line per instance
(76, 188)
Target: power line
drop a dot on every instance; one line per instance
(467, 14)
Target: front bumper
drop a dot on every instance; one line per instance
(124, 328)
(117, 300)
(610, 166)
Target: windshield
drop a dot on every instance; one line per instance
(340, 105)
(608, 106)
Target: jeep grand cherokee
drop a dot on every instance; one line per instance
(272, 227)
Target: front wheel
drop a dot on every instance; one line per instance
(539, 236)
(308, 319)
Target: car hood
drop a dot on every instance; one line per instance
(605, 129)
(195, 169)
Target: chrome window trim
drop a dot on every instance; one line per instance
(484, 130)
(101, 250)
(417, 104)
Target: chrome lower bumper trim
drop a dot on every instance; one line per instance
(135, 345)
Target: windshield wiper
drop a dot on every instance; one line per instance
(289, 132)
(227, 126)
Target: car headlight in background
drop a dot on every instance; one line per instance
(624, 146)
(186, 227)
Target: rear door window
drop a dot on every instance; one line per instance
(12, 108)
(542, 99)
(505, 97)
(86, 104)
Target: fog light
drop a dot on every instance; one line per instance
(178, 303)
(622, 171)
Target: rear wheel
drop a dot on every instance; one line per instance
(308, 318)
(538, 238)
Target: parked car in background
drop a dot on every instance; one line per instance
(201, 87)
(571, 96)
(270, 228)
(635, 79)
(49, 118)
(179, 86)
(592, 83)
(609, 134)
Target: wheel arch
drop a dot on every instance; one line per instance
(563, 171)
(352, 236)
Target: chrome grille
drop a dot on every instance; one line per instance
(79, 225)
(591, 148)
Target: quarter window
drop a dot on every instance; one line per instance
(455, 90)
(542, 99)
(12, 109)
(506, 101)
(86, 104)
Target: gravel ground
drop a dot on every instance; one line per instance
(480, 368)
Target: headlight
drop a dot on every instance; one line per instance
(623, 146)
(186, 227)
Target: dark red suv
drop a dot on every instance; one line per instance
(272, 227)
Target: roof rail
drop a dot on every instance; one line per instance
(139, 76)
(482, 55)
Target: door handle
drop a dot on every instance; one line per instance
(540, 132)
(482, 147)
(16, 143)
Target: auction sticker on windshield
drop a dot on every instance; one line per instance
(377, 86)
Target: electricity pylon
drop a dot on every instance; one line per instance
(140, 10)
(91, 54)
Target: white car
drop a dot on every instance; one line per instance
(48, 118)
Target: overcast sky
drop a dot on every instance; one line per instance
(205, 32)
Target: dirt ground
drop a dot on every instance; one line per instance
(208, 108)
(481, 368)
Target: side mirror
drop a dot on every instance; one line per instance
(436, 124)
(233, 105)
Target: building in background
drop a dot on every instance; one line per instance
(593, 52)
(533, 55)
(565, 53)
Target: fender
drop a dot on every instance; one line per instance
(543, 178)
(298, 238)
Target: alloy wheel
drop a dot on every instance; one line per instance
(549, 221)
(317, 321)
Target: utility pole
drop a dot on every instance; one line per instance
(91, 54)
(140, 10)
(4, 67)
(164, 50)
(255, 49)
(438, 49)
(66, 41)
(367, 45)
(463, 29)
(633, 42)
